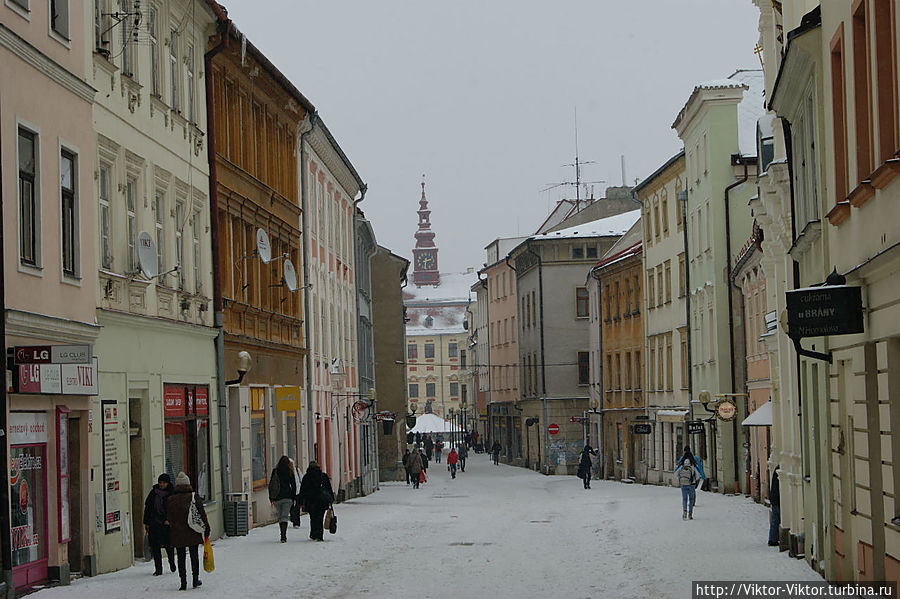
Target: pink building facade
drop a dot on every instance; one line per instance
(50, 278)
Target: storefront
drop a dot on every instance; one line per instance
(49, 451)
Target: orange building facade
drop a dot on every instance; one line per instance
(257, 119)
(619, 274)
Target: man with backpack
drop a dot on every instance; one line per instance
(687, 475)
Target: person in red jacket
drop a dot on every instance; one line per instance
(452, 461)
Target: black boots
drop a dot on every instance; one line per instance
(283, 526)
(183, 586)
(196, 582)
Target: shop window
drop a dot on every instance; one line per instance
(292, 437)
(186, 412)
(258, 443)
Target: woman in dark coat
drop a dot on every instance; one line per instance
(287, 492)
(155, 524)
(316, 496)
(185, 538)
(585, 465)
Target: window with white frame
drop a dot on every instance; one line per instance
(179, 243)
(59, 17)
(173, 68)
(190, 82)
(159, 205)
(198, 282)
(153, 37)
(104, 224)
(22, 3)
(128, 34)
(29, 213)
(69, 216)
(131, 222)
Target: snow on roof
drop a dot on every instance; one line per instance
(455, 286)
(750, 109)
(436, 319)
(611, 225)
(718, 83)
(629, 244)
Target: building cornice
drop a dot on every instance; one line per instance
(331, 159)
(131, 320)
(704, 97)
(52, 328)
(10, 40)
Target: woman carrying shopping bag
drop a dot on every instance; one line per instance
(316, 496)
(185, 513)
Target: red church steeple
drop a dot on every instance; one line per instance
(425, 254)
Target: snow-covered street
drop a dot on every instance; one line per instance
(494, 531)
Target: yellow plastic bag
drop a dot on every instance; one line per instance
(209, 564)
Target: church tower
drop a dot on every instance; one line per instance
(425, 254)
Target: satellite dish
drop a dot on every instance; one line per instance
(147, 258)
(262, 246)
(290, 276)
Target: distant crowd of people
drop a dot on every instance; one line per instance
(424, 451)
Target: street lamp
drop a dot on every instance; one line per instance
(465, 425)
(452, 412)
(244, 363)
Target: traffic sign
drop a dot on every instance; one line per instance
(553, 428)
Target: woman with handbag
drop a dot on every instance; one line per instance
(316, 496)
(283, 493)
(414, 467)
(155, 525)
(185, 513)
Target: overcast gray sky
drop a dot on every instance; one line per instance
(480, 97)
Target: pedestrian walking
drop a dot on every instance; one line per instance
(317, 496)
(452, 461)
(775, 502)
(155, 524)
(495, 452)
(184, 538)
(283, 493)
(585, 465)
(405, 463)
(295, 506)
(429, 447)
(438, 448)
(414, 468)
(425, 461)
(687, 475)
(463, 453)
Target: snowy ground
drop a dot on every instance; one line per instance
(495, 532)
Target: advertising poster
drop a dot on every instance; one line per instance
(111, 482)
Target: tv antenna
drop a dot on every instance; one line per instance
(577, 164)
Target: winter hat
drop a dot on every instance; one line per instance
(164, 478)
(182, 480)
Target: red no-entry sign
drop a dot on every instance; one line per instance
(553, 428)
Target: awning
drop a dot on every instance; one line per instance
(761, 417)
(671, 415)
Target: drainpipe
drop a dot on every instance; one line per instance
(734, 426)
(218, 304)
(5, 547)
(543, 361)
(304, 202)
(487, 319)
(683, 199)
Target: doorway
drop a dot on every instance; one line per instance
(136, 445)
(76, 495)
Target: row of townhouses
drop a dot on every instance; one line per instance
(740, 300)
(189, 283)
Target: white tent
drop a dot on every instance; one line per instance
(430, 423)
(761, 417)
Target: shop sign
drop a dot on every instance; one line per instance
(202, 401)
(287, 399)
(111, 483)
(173, 401)
(726, 410)
(826, 310)
(642, 429)
(27, 428)
(58, 379)
(53, 354)
(695, 427)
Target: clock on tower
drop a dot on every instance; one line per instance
(425, 254)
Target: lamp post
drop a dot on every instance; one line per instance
(336, 376)
(452, 412)
(465, 423)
